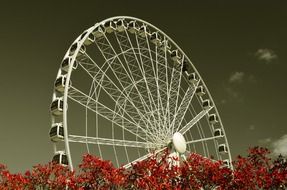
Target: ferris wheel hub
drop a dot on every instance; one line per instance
(179, 142)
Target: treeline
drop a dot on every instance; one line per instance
(255, 171)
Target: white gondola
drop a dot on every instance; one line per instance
(99, 31)
(60, 157)
(218, 133)
(200, 91)
(67, 62)
(213, 119)
(175, 56)
(57, 106)
(192, 79)
(222, 148)
(73, 48)
(83, 35)
(143, 31)
(206, 104)
(178, 64)
(185, 66)
(89, 40)
(165, 45)
(56, 132)
(121, 25)
(60, 83)
(110, 26)
(226, 163)
(155, 38)
(132, 27)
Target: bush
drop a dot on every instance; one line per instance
(256, 171)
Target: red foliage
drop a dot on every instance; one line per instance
(256, 171)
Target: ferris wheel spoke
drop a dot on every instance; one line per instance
(124, 42)
(146, 65)
(203, 139)
(110, 142)
(88, 102)
(144, 157)
(107, 84)
(154, 66)
(151, 133)
(157, 70)
(182, 109)
(175, 89)
(163, 80)
(172, 96)
(191, 123)
(161, 75)
(132, 61)
(130, 108)
(200, 133)
(183, 157)
(118, 69)
(165, 73)
(107, 90)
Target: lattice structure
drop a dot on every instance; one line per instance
(124, 91)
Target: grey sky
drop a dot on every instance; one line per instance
(238, 48)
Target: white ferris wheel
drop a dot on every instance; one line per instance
(124, 91)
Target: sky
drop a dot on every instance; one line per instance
(239, 48)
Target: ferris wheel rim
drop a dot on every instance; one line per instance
(73, 58)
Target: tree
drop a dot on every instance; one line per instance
(255, 171)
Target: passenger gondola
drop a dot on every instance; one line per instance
(144, 31)
(99, 31)
(132, 28)
(174, 55)
(155, 38)
(218, 133)
(213, 119)
(60, 157)
(56, 132)
(222, 148)
(192, 79)
(121, 25)
(200, 91)
(110, 26)
(206, 104)
(60, 83)
(57, 106)
(89, 40)
(165, 45)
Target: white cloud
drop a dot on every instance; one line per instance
(280, 146)
(231, 93)
(266, 55)
(251, 127)
(265, 141)
(236, 77)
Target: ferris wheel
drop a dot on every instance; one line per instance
(124, 91)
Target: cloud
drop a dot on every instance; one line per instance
(234, 89)
(232, 95)
(280, 146)
(231, 92)
(266, 55)
(265, 141)
(236, 77)
(251, 127)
